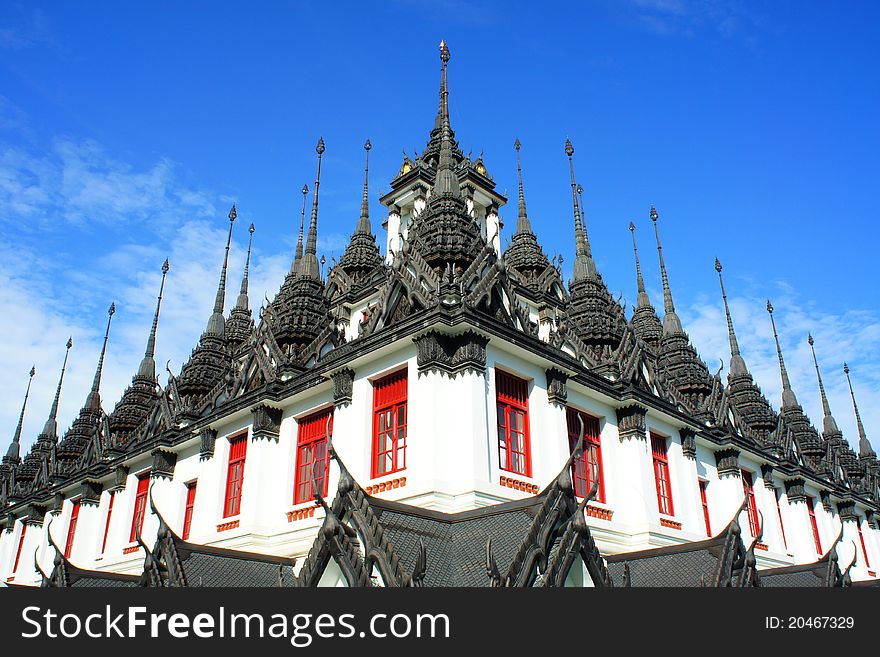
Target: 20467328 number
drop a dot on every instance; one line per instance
(820, 622)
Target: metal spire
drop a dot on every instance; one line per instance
(299, 242)
(13, 451)
(147, 368)
(443, 109)
(50, 429)
(865, 449)
(363, 224)
(216, 324)
(446, 182)
(523, 225)
(788, 398)
(671, 322)
(737, 364)
(584, 267)
(829, 425)
(93, 401)
(242, 302)
(643, 300)
(309, 263)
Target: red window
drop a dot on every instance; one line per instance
(862, 541)
(811, 510)
(107, 522)
(779, 513)
(71, 529)
(661, 475)
(513, 424)
(588, 468)
(235, 475)
(20, 546)
(751, 508)
(188, 510)
(704, 485)
(389, 424)
(140, 505)
(311, 455)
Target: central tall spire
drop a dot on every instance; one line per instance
(308, 266)
(829, 425)
(584, 267)
(737, 364)
(147, 368)
(865, 449)
(216, 324)
(93, 401)
(788, 399)
(50, 429)
(443, 108)
(671, 322)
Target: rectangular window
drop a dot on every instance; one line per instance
(513, 424)
(140, 505)
(661, 475)
(751, 507)
(71, 529)
(235, 475)
(311, 455)
(776, 495)
(812, 511)
(862, 541)
(389, 423)
(107, 522)
(587, 469)
(704, 485)
(188, 510)
(20, 546)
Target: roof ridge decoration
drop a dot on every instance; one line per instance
(137, 400)
(558, 522)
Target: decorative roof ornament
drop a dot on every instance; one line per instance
(584, 267)
(671, 322)
(137, 399)
(50, 429)
(646, 323)
(93, 401)
(737, 364)
(829, 424)
(865, 449)
(240, 323)
(522, 218)
(443, 109)
(361, 257)
(788, 397)
(308, 266)
(12, 454)
(299, 242)
(216, 323)
(524, 254)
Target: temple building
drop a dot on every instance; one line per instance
(437, 411)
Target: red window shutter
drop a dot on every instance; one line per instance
(140, 506)
(815, 527)
(235, 475)
(390, 421)
(20, 546)
(107, 522)
(704, 485)
(779, 513)
(862, 541)
(585, 470)
(71, 529)
(514, 451)
(311, 455)
(751, 508)
(188, 511)
(661, 475)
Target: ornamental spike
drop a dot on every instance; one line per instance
(299, 242)
(12, 454)
(671, 322)
(523, 225)
(147, 368)
(584, 267)
(50, 429)
(309, 263)
(865, 449)
(93, 401)
(363, 225)
(737, 364)
(788, 398)
(242, 302)
(829, 425)
(216, 324)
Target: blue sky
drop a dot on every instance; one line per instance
(127, 130)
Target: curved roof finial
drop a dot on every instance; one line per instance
(865, 449)
(788, 398)
(308, 266)
(147, 368)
